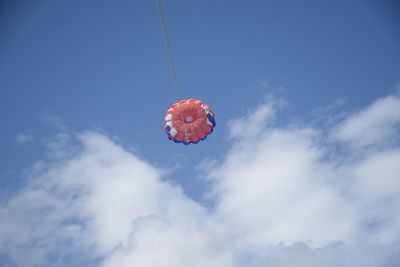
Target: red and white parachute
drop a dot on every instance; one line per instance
(189, 121)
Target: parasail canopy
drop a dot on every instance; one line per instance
(189, 121)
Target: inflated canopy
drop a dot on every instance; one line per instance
(189, 121)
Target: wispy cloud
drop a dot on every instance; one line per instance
(373, 125)
(23, 138)
(256, 121)
(52, 120)
(282, 198)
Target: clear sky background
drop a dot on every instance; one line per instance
(85, 78)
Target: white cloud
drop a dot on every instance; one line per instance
(284, 186)
(373, 125)
(378, 176)
(281, 190)
(282, 198)
(22, 138)
(259, 119)
(103, 203)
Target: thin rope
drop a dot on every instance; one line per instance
(171, 63)
(169, 50)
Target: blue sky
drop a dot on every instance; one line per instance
(325, 74)
(96, 65)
